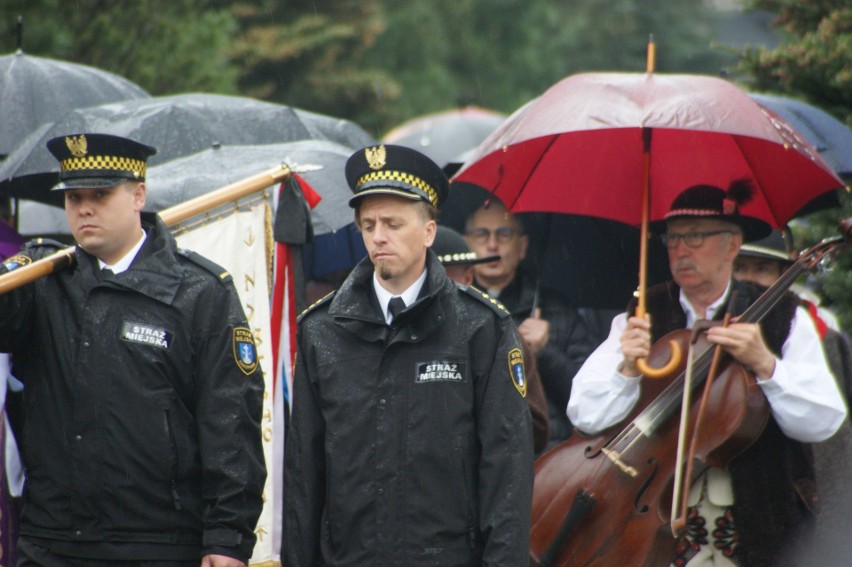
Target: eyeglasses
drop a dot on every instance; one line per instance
(482, 235)
(691, 239)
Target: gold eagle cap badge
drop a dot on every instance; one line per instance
(376, 157)
(78, 146)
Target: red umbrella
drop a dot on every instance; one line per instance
(622, 147)
(579, 149)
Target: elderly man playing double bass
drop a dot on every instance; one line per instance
(742, 515)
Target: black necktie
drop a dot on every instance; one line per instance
(106, 273)
(396, 306)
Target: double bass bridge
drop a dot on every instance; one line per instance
(615, 457)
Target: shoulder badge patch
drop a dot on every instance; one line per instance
(516, 370)
(245, 352)
(15, 262)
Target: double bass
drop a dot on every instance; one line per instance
(608, 499)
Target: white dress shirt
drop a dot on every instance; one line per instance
(802, 393)
(125, 260)
(409, 296)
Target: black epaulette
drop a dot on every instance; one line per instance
(487, 300)
(45, 243)
(314, 305)
(221, 273)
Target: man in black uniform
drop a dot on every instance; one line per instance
(142, 440)
(410, 440)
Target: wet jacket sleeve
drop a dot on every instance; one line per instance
(16, 306)
(537, 402)
(505, 467)
(573, 337)
(304, 480)
(228, 406)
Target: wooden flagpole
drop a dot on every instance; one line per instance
(171, 216)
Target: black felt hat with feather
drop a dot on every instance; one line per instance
(710, 202)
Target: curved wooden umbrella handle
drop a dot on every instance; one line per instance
(673, 363)
(677, 353)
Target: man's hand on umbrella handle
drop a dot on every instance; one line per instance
(535, 331)
(635, 343)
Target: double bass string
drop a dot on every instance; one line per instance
(661, 408)
(670, 399)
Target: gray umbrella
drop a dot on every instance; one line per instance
(336, 244)
(831, 137)
(35, 90)
(177, 126)
(444, 136)
(182, 179)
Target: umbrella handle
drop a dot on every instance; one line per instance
(674, 346)
(667, 370)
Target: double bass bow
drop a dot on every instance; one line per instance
(608, 499)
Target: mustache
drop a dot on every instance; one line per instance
(684, 264)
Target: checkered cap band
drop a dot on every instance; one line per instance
(402, 177)
(84, 164)
(458, 257)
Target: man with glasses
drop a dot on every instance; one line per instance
(745, 514)
(560, 336)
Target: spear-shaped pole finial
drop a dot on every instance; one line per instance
(20, 34)
(652, 54)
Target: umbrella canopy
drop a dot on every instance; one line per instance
(579, 148)
(41, 219)
(831, 137)
(35, 90)
(444, 136)
(177, 126)
(336, 246)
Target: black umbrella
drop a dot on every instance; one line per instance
(592, 262)
(831, 137)
(35, 90)
(177, 126)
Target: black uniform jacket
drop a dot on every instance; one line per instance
(574, 334)
(141, 426)
(409, 444)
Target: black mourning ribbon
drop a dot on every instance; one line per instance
(396, 306)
